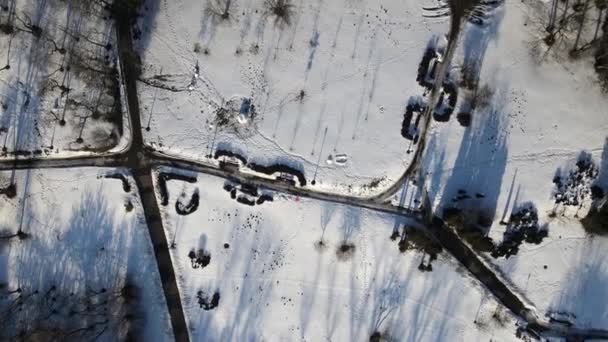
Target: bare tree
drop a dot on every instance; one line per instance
(601, 6)
(552, 16)
(53, 314)
(581, 24)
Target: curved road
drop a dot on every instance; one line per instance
(459, 9)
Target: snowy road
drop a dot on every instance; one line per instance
(413, 167)
(93, 161)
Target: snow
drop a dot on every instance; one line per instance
(276, 282)
(323, 91)
(334, 81)
(82, 238)
(60, 91)
(541, 116)
(575, 278)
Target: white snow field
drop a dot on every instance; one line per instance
(566, 276)
(328, 84)
(60, 92)
(85, 267)
(274, 281)
(539, 117)
(539, 114)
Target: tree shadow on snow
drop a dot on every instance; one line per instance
(348, 231)
(583, 295)
(475, 44)
(602, 178)
(382, 295)
(90, 251)
(143, 30)
(245, 286)
(477, 174)
(401, 302)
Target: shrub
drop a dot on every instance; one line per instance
(10, 191)
(199, 259)
(523, 226)
(345, 251)
(282, 10)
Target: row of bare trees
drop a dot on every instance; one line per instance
(579, 26)
(79, 72)
(572, 18)
(54, 314)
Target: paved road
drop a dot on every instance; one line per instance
(142, 172)
(92, 161)
(275, 185)
(459, 9)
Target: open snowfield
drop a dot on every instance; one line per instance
(567, 273)
(537, 120)
(83, 265)
(274, 281)
(327, 84)
(59, 83)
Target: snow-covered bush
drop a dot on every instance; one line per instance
(523, 226)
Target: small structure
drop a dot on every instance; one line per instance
(229, 164)
(286, 178)
(245, 111)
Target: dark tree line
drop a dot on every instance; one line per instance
(53, 314)
(581, 25)
(73, 66)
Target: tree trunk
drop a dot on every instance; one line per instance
(582, 24)
(552, 15)
(563, 19)
(598, 24)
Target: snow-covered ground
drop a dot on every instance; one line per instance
(329, 84)
(321, 87)
(85, 260)
(275, 281)
(60, 91)
(536, 116)
(539, 118)
(567, 273)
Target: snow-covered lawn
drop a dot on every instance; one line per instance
(84, 259)
(567, 273)
(536, 117)
(326, 86)
(273, 280)
(59, 80)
